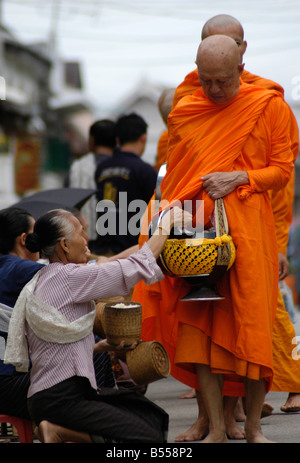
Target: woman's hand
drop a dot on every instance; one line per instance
(175, 217)
(104, 345)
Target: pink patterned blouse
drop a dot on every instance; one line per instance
(70, 288)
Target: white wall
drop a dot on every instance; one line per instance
(7, 195)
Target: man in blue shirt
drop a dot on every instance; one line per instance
(125, 185)
(17, 267)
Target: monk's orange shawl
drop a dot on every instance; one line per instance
(191, 83)
(249, 133)
(281, 200)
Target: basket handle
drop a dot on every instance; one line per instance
(222, 228)
(221, 222)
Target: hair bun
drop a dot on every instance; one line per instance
(33, 242)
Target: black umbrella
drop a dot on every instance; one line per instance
(39, 203)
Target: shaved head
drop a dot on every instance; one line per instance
(165, 103)
(225, 24)
(221, 21)
(218, 48)
(219, 68)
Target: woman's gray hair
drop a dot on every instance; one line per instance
(65, 227)
(49, 230)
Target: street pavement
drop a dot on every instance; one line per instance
(279, 427)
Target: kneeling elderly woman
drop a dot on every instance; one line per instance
(55, 311)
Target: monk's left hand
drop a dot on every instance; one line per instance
(283, 266)
(220, 184)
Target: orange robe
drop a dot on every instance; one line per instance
(162, 150)
(286, 369)
(203, 138)
(191, 83)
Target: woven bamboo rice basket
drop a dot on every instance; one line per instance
(99, 320)
(99, 317)
(122, 322)
(148, 362)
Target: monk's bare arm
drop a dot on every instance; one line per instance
(220, 184)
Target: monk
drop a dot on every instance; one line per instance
(165, 102)
(286, 370)
(212, 154)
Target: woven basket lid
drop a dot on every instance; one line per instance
(148, 362)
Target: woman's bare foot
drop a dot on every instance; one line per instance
(50, 433)
(191, 394)
(292, 403)
(196, 432)
(37, 433)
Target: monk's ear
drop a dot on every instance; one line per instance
(244, 47)
(241, 68)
